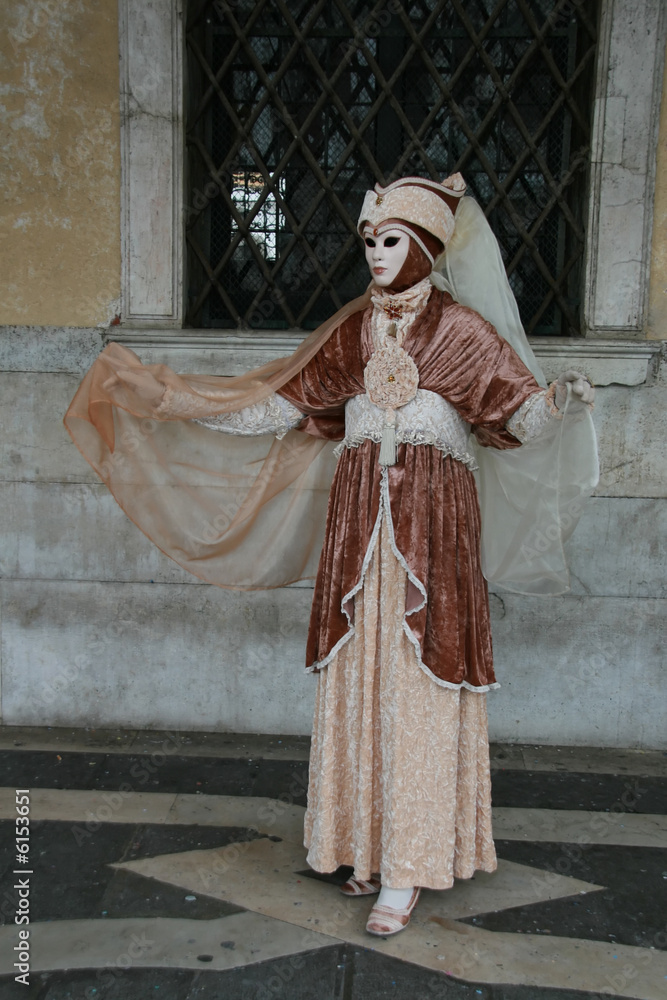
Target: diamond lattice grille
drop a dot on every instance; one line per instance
(297, 107)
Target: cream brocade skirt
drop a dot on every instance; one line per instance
(400, 781)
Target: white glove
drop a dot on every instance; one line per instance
(582, 389)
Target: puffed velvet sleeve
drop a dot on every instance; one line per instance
(479, 373)
(335, 374)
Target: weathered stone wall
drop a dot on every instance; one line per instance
(98, 628)
(657, 317)
(59, 163)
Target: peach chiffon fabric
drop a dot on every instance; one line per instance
(399, 770)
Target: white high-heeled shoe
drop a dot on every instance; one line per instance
(361, 887)
(385, 920)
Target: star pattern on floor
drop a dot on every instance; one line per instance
(281, 911)
(268, 877)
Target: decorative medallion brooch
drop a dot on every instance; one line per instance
(391, 378)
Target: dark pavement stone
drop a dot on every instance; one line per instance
(339, 877)
(206, 775)
(49, 769)
(336, 973)
(310, 975)
(565, 790)
(164, 771)
(71, 865)
(157, 772)
(70, 873)
(168, 772)
(379, 977)
(10, 990)
(104, 984)
(286, 779)
(154, 838)
(131, 895)
(631, 909)
(72, 878)
(186, 775)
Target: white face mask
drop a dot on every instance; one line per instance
(385, 254)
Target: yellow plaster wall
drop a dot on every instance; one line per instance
(59, 163)
(657, 310)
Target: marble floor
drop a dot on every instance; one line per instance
(170, 865)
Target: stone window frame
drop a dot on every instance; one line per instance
(628, 89)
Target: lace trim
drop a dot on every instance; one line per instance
(355, 590)
(385, 509)
(409, 437)
(273, 415)
(532, 416)
(181, 405)
(428, 419)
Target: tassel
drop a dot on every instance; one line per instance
(388, 445)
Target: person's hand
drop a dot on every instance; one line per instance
(141, 382)
(582, 389)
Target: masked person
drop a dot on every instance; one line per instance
(423, 394)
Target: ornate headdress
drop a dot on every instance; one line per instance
(417, 200)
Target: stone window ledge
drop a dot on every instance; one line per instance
(604, 362)
(231, 353)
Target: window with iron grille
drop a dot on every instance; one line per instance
(297, 107)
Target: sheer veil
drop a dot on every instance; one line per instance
(475, 274)
(530, 497)
(240, 512)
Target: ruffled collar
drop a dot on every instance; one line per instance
(395, 312)
(413, 299)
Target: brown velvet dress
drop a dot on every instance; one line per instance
(434, 508)
(399, 770)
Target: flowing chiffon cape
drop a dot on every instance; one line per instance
(251, 513)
